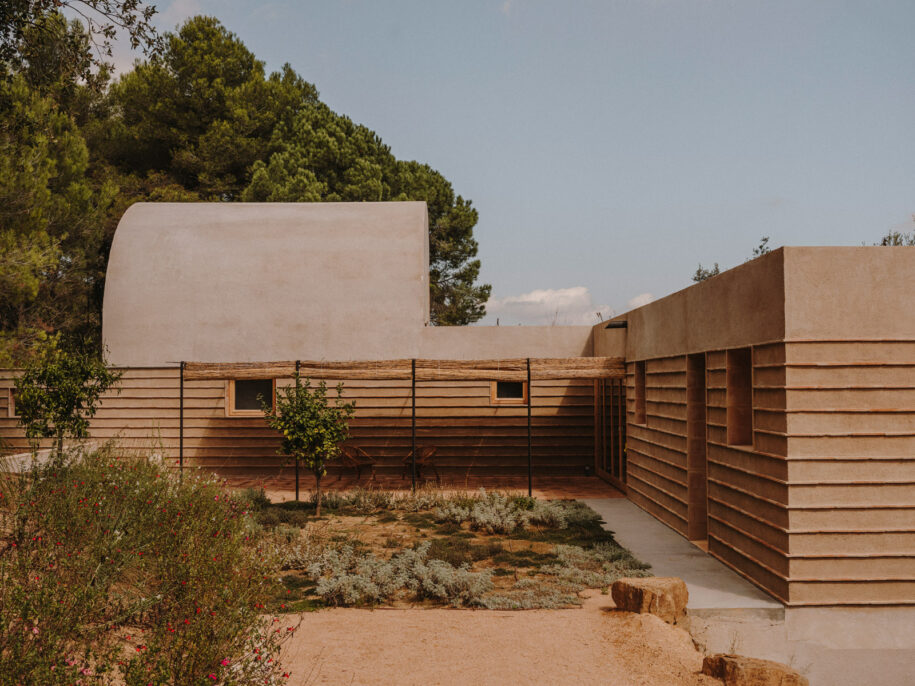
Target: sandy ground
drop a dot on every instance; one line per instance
(592, 645)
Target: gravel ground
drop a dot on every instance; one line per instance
(592, 645)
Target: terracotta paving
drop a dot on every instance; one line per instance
(282, 486)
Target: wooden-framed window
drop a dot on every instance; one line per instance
(641, 412)
(11, 403)
(508, 393)
(243, 396)
(740, 396)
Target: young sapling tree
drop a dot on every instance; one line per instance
(312, 425)
(59, 391)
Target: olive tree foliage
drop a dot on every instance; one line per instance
(104, 21)
(897, 238)
(311, 424)
(59, 391)
(703, 273)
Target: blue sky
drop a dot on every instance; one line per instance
(612, 146)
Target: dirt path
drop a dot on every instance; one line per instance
(591, 645)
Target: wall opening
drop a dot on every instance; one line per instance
(696, 448)
(740, 396)
(640, 412)
(243, 396)
(508, 393)
(612, 430)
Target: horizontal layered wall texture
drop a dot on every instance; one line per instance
(472, 436)
(771, 417)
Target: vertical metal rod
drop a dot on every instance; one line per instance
(413, 424)
(530, 455)
(181, 421)
(298, 366)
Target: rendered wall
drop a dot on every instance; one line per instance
(239, 282)
(500, 342)
(850, 398)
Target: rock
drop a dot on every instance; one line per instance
(737, 670)
(665, 597)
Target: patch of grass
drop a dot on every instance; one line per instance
(524, 558)
(420, 520)
(387, 518)
(459, 550)
(393, 542)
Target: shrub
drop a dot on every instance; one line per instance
(496, 513)
(255, 497)
(548, 514)
(114, 571)
(347, 577)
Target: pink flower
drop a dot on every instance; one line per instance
(224, 663)
(211, 676)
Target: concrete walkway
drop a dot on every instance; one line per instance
(711, 584)
(831, 646)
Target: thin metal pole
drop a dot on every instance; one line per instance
(181, 422)
(298, 365)
(530, 458)
(413, 424)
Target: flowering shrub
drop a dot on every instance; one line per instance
(115, 571)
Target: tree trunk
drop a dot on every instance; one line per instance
(60, 444)
(318, 489)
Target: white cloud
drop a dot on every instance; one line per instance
(639, 300)
(547, 307)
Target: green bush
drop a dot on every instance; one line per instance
(115, 571)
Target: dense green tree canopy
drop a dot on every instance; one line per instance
(199, 119)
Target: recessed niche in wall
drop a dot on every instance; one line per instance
(740, 396)
(640, 413)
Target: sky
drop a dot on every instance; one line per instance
(611, 147)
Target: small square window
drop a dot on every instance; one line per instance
(508, 393)
(243, 396)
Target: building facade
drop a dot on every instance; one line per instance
(768, 413)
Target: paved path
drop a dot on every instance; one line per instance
(712, 585)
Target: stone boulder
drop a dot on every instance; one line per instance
(737, 670)
(665, 597)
